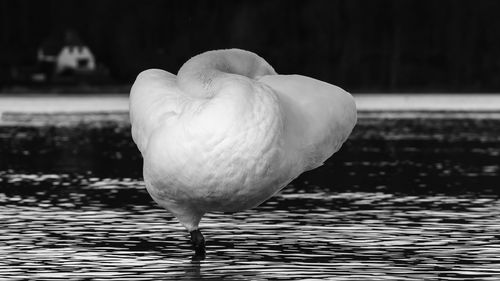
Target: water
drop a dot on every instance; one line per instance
(405, 199)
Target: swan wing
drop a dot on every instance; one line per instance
(154, 97)
(318, 117)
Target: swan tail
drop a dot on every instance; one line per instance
(323, 114)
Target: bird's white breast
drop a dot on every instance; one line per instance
(221, 154)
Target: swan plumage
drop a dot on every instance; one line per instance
(227, 132)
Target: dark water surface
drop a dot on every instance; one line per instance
(405, 199)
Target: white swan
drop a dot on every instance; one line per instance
(228, 132)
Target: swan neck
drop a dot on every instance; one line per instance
(201, 75)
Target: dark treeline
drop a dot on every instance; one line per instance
(397, 45)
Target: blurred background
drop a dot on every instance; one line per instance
(413, 194)
(363, 46)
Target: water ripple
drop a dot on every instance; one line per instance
(403, 201)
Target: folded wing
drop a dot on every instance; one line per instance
(318, 116)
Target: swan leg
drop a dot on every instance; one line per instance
(198, 242)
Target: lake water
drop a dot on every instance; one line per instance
(405, 199)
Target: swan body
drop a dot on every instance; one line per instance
(227, 132)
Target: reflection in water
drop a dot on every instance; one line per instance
(404, 199)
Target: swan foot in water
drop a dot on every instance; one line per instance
(198, 242)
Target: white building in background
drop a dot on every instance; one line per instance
(67, 54)
(75, 58)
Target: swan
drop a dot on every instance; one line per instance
(227, 132)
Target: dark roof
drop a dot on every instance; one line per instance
(54, 43)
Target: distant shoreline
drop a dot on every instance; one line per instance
(114, 100)
(56, 108)
(66, 89)
(125, 90)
